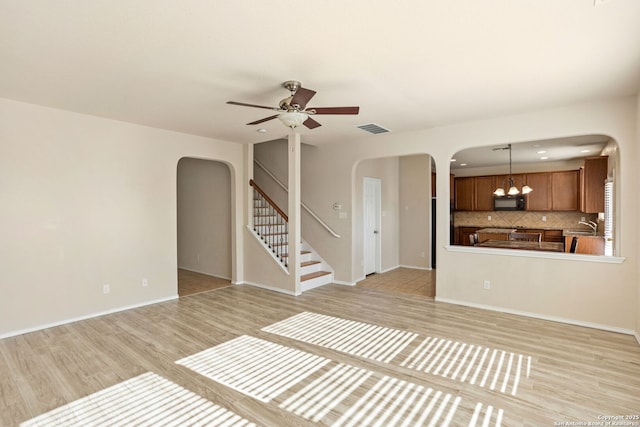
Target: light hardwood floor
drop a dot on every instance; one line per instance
(541, 373)
(403, 280)
(191, 283)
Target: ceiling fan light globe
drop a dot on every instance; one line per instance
(499, 192)
(526, 189)
(293, 119)
(513, 191)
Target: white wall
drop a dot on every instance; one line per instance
(89, 201)
(204, 217)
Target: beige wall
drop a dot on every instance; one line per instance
(415, 211)
(86, 202)
(387, 170)
(204, 217)
(637, 213)
(89, 201)
(578, 291)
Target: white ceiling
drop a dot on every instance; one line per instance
(409, 65)
(531, 152)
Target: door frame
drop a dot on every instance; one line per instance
(377, 247)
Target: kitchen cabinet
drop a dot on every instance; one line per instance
(592, 181)
(474, 193)
(464, 198)
(540, 198)
(565, 191)
(552, 191)
(483, 190)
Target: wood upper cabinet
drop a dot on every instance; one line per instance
(464, 198)
(552, 191)
(484, 188)
(540, 198)
(565, 191)
(592, 185)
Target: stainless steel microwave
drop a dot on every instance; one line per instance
(509, 203)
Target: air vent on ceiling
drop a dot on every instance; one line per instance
(373, 128)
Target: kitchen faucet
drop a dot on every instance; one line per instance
(591, 224)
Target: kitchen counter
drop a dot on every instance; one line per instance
(497, 230)
(522, 245)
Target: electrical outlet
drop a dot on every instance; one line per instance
(145, 283)
(487, 284)
(583, 219)
(488, 217)
(544, 218)
(106, 288)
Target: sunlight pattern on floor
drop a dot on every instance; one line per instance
(488, 414)
(495, 369)
(395, 402)
(321, 390)
(146, 400)
(348, 336)
(255, 367)
(319, 397)
(492, 368)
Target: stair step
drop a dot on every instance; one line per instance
(314, 275)
(308, 263)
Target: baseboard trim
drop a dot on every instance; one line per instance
(86, 317)
(541, 317)
(415, 267)
(340, 282)
(270, 288)
(205, 273)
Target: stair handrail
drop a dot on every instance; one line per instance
(313, 214)
(268, 199)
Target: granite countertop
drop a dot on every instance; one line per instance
(496, 230)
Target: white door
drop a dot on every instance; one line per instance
(371, 221)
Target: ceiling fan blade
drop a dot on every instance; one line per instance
(302, 96)
(335, 110)
(266, 119)
(311, 124)
(243, 104)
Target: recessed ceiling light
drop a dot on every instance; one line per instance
(543, 158)
(541, 151)
(453, 160)
(463, 164)
(262, 130)
(584, 151)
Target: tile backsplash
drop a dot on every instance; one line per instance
(522, 219)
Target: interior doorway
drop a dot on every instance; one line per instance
(204, 225)
(402, 252)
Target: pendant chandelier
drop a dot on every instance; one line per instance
(510, 184)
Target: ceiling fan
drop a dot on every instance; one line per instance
(292, 110)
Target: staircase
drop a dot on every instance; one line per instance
(270, 224)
